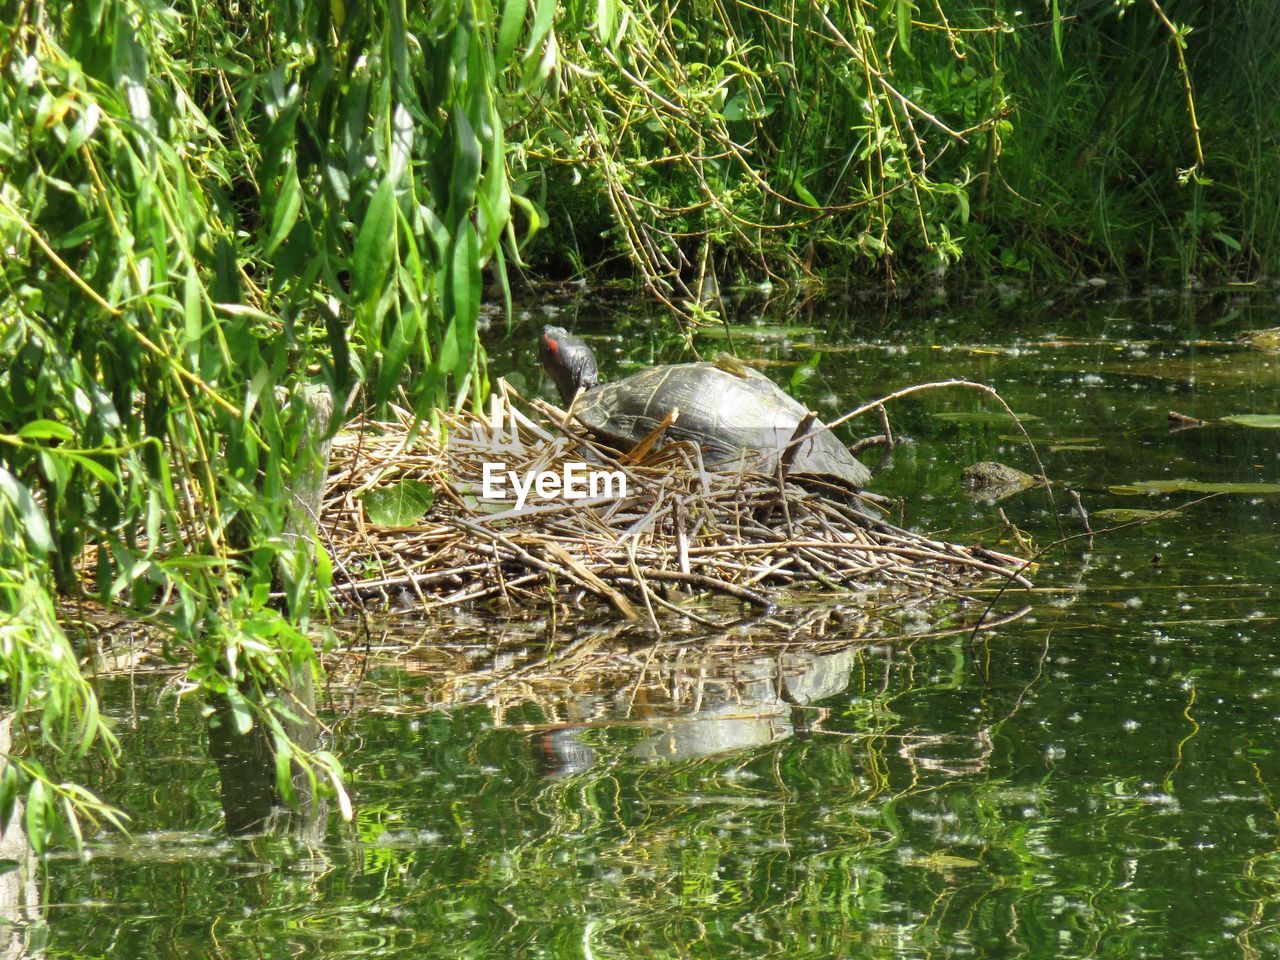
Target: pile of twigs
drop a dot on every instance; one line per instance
(682, 528)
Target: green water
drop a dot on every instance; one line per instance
(1098, 778)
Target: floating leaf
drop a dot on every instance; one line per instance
(1193, 486)
(1130, 515)
(1242, 367)
(980, 416)
(944, 862)
(1259, 421)
(1062, 442)
(400, 504)
(762, 332)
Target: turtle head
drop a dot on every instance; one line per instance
(568, 361)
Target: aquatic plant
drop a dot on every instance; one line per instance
(205, 207)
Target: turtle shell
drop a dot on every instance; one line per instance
(742, 419)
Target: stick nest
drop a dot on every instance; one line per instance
(682, 529)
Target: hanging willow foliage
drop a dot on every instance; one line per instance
(205, 207)
(694, 142)
(760, 138)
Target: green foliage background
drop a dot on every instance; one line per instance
(897, 140)
(207, 206)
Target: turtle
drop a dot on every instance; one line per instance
(992, 481)
(739, 417)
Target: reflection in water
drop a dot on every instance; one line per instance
(691, 699)
(1096, 779)
(715, 782)
(247, 768)
(20, 913)
(717, 702)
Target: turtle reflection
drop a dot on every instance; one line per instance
(594, 692)
(713, 705)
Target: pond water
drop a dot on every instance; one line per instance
(1099, 778)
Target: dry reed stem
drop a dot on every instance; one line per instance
(682, 527)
